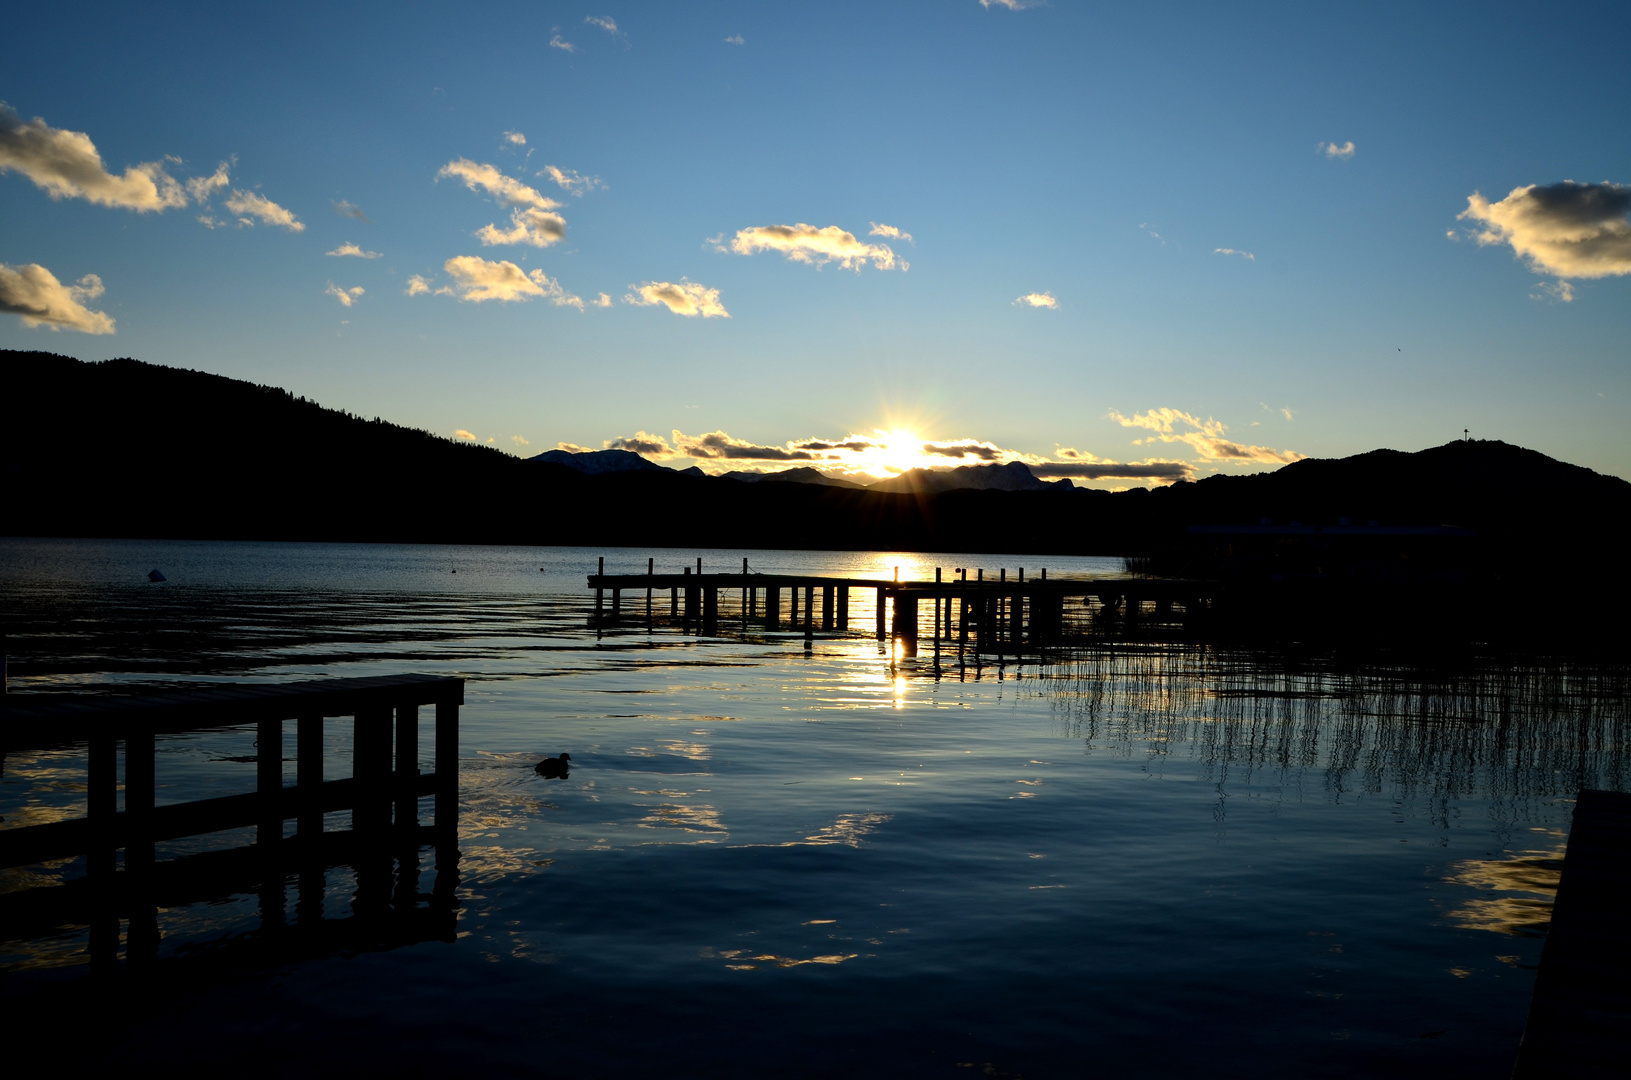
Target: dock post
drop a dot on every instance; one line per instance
(269, 782)
(651, 568)
(747, 598)
(1016, 617)
(673, 601)
(809, 614)
(962, 616)
(447, 771)
(141, 943)
(599, 600)
(690, 601)
(101, 808)
(308, 735)
(407, 770)
(843, 607)
(793, 606)
(826, 608)
(937, 618)
(905, 622)
(880, 612)
(773, 606)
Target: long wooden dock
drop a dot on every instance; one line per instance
(1000, 615)
(1580, 1015)
(381, 794)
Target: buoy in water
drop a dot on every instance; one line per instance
(154, 575)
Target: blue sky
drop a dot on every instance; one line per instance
(1233, 284)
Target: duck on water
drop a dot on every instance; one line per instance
(552, 768)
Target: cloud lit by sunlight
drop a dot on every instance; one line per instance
(346, 297)
(808, 244)
(32, 291)
(684, 297)
(67, 165)
(1568, 230)
(1206, 438)
(251, 207)
(477, 280)
(1037, 300)
(354, 251)
(1337, 151)
(532, 216)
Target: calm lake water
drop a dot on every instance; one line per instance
(1149, 859)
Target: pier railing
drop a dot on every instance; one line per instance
(381, 794)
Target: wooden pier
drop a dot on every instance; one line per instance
(381, 794)
(1001, 615)
(1580, 1014)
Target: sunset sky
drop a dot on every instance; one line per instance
(1124, 243)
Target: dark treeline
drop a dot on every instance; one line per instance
(125, 448)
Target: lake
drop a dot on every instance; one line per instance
(1150, 858)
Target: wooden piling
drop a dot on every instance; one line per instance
(826, 608)
(809, 613)
(599, 603)
(141, 941)
(651, 570)
(406, 778)
(843, 607)
(101, 806)
(309, 780)
(880, 613)
(447, 771)
(269, 781)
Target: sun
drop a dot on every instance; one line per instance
(898, 450)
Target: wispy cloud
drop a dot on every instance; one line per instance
(736, 39)
(1336, 151)
(1248, 256)
(348, 248)
(1206, 437)
(1568, 230)
(1080, 465)
(532, 217)
(891, 232)
(66, 165)
(965, 450)
(519, 440)
(515, 138)
(808, 244)
(345, 296)
(203, 188)
(601, 301)
(1554, 292)
(1144, 227)
(350, 210)
(605, 22)
(558, 42)
(1012, 5)
(685, 297)
(571, 181)
(32, 291)
(478, 280)
(1037, 300)
(251, 207)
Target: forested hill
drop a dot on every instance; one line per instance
(125, 448)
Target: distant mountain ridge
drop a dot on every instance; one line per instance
(596, 462)
(128, 449)
(1012, 476)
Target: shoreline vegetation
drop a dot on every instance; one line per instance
(1477, 530)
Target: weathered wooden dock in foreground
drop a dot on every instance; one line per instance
(381, 794)
(999, 615)
(1580, 1014)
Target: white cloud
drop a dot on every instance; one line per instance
(203, 188)
(349, 209)
(348, 248)
(1037, 299)
(1012, 5)
(519, 440)
(345, 296)
(1206, 438)
(736, 39)
(418, 285)
(891, 232)
(515, 138)
(574, 183)
(248, 205)
(605, 22)
(1337, 151)
(1554, 292)
(540, 228)
(1248, 256)
(808, 244)
(557, 42)
(1568, 230)
(532, 219)
(32, 291)
(1286, 412)
(602, 301)
(67, 166)
(684, 298)
(477, 280)
(465, 435)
